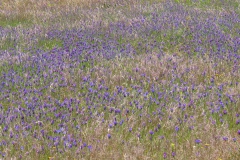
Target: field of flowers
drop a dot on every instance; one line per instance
(120, 79)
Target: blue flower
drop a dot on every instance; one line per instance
(151, 132)
(234, 139)
(225, 138)
(176, 128)
(198, 141)
(164, 155)
(90, 147)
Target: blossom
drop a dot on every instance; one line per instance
(90, 147)
(172, 145)
(164, 155)
(198, 141)
(151, 132)
(176, 128)
(225, 138)
(234, 139)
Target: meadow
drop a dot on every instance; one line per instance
(120, 79)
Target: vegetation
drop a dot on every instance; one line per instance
(120, 79)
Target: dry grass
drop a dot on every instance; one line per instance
(157, 70)
(45, 10)
(37, 8)
(24, 6)
(72, 13)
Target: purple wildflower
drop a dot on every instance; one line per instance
(234, 139)
(225, 138)
(176, 128)
(224, 112)
(90, 147)
(238, 121)
(164, 155)
(198, 141)
(151, 132)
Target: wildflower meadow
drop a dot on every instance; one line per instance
(120, 79)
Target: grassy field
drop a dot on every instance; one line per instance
(120, 79)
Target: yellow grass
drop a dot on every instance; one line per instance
(35, 9)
